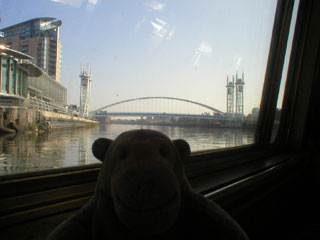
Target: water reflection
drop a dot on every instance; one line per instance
(72, 147)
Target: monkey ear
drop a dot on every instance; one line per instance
(100, 148)
(182, 147)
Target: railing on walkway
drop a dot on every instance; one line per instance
(39, 104)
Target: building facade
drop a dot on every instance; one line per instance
(24, 84)
(13, 76)
(38, 38)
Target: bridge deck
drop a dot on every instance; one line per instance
(145, 114)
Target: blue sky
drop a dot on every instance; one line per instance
(177, 48)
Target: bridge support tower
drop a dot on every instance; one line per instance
(85, 91)
(235, 107)
(230, 95)
(239, 84)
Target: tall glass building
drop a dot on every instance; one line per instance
(38, 38)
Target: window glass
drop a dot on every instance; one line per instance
(285, 71)
(23, 79)
(12, 76)
(4, 74)
(19, 81)
(190, 69)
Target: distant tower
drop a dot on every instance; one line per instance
(85, 91)
(239, 94)
(230, 95)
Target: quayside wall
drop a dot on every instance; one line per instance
(27, 119)
(58, 120)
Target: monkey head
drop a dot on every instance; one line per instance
(142, 172)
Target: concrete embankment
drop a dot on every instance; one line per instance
(30, 119)
(58, 120)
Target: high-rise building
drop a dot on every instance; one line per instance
(38, 38)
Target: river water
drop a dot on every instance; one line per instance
(72, 147)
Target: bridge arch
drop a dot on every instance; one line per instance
(170, 98)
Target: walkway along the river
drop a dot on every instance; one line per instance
(28, 119)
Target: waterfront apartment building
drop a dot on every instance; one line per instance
(25, 89)
(38, 38)
(24, 84)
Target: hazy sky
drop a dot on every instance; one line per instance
(181, 48)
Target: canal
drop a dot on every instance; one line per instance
(72, 147)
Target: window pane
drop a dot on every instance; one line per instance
(285, 71)
(19, 81)
(4, 74)
(190, 69)
(23, 79)
(12, 76)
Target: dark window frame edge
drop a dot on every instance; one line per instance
(277, 51)
(299, 87)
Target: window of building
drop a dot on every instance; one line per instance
(19, 81)
(24, 50)
(24, 43)
(13, 66)
(9, 40)
(4, 74)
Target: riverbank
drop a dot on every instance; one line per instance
(204, 123)
(58, 120)
(32, 120)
